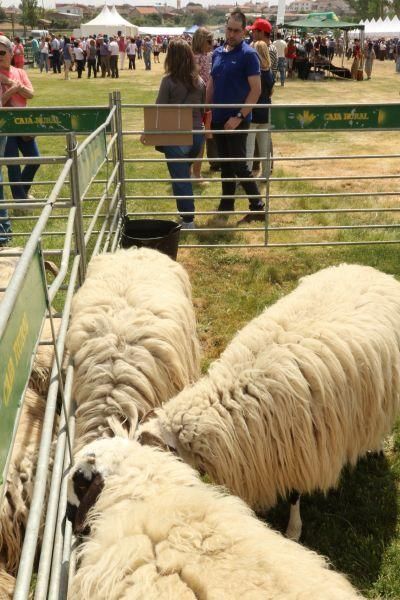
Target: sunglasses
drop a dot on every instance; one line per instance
(3, 52)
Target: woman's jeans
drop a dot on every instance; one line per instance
(183, 190)
(282, 69)
(14, 146)
(261, 137)
(5, 225)
(44, 61)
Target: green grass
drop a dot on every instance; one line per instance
(357, 525)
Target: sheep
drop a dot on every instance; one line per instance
(307, 387)
(158, 532)
(18, 487)
(132, 338)
(7, 585)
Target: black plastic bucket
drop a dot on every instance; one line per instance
(152, 233)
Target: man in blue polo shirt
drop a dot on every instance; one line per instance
(235, 79)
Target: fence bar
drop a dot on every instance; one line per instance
(76, 201)
(57, 473)
(63, 526)
(39, 490)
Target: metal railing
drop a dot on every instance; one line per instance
(311, 209)
(125, 178)
(88, 202)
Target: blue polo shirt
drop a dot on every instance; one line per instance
(230, 72)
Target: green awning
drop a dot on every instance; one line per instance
(325, 20)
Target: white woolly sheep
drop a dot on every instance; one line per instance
(132, 338)
(307, 387)
(158, 532)
(7, 585)
(14, 508)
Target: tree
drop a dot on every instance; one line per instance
(30, 13)
(200, 17)
(369, 9)
(3, 16)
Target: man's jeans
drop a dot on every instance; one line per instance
(233, 145)
(5, 225)
(14, 146)
(183, 190)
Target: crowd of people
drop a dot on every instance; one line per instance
(240, 69)
(103, 54)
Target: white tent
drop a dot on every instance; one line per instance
(386, 28)
(109, 22)
(170, 31)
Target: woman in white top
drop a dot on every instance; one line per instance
(79, 58)
(44, 54)
(131, 50)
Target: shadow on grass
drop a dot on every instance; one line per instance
(352, 525)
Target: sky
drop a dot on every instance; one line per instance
(51, 3)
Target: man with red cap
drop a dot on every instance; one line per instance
(261, 30)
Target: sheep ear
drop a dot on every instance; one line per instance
(89, 499)
(148, 439)
(146, 417)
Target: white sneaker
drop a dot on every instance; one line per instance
(30, 197)
(188, 225)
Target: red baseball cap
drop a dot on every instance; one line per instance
(261, 25)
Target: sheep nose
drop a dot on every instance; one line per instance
(71, 512)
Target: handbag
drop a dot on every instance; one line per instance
(162, 119)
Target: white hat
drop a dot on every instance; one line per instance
(6, 42)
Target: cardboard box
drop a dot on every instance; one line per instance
(172, 119)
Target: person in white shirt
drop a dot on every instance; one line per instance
(79, 58)
(55, 50)
(44, 54)
(281, 46)
(131, 50)
(114, 55)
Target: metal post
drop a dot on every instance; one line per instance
(120, 149)
(268, 177)
(76, 201)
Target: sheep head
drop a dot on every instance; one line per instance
(93, 464)
(152, 433)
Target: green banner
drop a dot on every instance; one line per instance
(90, 159)
(51, 120)
(309, 118)
(16, 350)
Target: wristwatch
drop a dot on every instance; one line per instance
(239, 115)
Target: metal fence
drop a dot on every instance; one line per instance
(315, 191)
(79, 215)
(80, 208)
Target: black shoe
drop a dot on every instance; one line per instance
(251, 217)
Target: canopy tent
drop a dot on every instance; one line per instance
(170, 31)
(192, 29)
(382, 28)
(109, 22)
(322, 20)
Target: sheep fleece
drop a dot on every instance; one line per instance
(132, 338)
(307, 387)
(159, 533)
